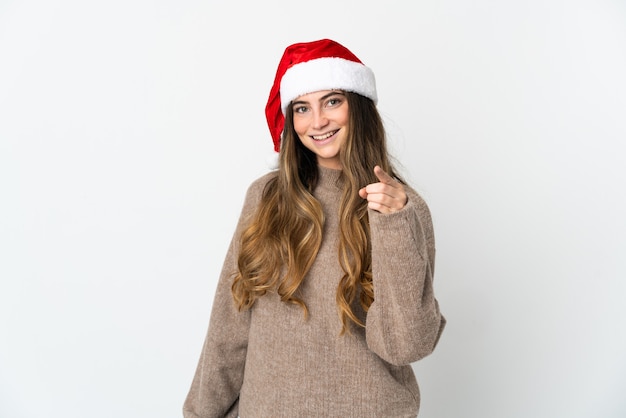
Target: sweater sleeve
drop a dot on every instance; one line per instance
(404, 322)
(218, 378)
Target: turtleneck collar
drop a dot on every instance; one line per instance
(329, 176)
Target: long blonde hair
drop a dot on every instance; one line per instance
(281, 243)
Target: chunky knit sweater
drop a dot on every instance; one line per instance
(270, 361)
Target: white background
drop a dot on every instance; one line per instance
(130, 129)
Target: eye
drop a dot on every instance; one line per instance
(333, 102)
(300, 109)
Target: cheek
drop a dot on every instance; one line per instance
(299, 125)
(346, 117)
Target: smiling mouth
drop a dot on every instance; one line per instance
(325, 136)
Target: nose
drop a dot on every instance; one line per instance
(319, 119)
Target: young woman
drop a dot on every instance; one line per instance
(326, 294)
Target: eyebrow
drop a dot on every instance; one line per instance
(324, 97)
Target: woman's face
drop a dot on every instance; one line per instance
(321, 121)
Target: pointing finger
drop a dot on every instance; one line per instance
(383, 176)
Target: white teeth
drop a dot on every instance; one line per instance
(322, 137)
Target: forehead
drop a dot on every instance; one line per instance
(316, 95)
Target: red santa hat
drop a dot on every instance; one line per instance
(313, 66)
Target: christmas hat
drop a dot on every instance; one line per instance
(313, 66)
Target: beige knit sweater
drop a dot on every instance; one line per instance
(271, 362)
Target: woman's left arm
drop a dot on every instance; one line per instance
(403, 323)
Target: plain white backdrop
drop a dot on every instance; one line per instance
(129, 131)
